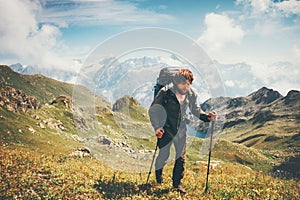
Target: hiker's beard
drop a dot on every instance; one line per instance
(180, 91)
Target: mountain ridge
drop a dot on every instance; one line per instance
(43, 152)
(108, 74)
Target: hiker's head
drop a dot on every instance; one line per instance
(182, 81)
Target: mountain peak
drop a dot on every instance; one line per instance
(292, 97)
(264, 95)
(124, 102)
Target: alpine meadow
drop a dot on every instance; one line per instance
(42, 155)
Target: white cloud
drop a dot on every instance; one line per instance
(268, 27)
(98, 12)
(256, 7)
(296, 54)
(229, 83)
(273, 9)
(260, 5)
(220, 31)
(272, 30)
(30, 30)
(282, 76)
(289, 7)
(22, 36)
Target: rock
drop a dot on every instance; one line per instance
(81, 152)
(15, 100)
(265, 95)
(61, 127)
(124, 102)
(233, 114)
(106, 141)
(237, 102)
(31, 130)
(11, 108)
(42, 126)
(80, 122)
(124, 144)
(262, 116)
(63, 100)
(78, 139)
(54, 124)
(103, 139)
(292, 98)
(249, 112)
(84, 149)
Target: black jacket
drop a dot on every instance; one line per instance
(167, 113)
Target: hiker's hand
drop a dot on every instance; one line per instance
(212, 116)
(159, 132)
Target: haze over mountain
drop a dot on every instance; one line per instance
(57, 74)
(113, 78)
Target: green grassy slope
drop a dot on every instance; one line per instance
(26, 174)
(45, 89)
(31, 131)
(35, 148)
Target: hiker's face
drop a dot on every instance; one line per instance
(184, 87)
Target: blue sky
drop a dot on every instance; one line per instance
(61, 33)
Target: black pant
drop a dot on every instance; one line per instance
(164, 145)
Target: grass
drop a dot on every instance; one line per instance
(46, 89)
(37, 165)
(15, 129)
(29, 174)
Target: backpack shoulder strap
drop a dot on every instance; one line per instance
(167, 93)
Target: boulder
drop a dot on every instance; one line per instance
(16, 100)
(81, 152)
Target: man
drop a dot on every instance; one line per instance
(168, 117)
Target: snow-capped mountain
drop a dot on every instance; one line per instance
(57, 74)
(114, 78)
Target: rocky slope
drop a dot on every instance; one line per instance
(257, 110)
(16, 100)
(264, 120)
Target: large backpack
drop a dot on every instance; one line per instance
(165, 78)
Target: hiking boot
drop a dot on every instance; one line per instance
(159, 180)
(180, 189)
(158, 176)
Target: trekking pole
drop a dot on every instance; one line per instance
(209, 154)
(152, 162)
